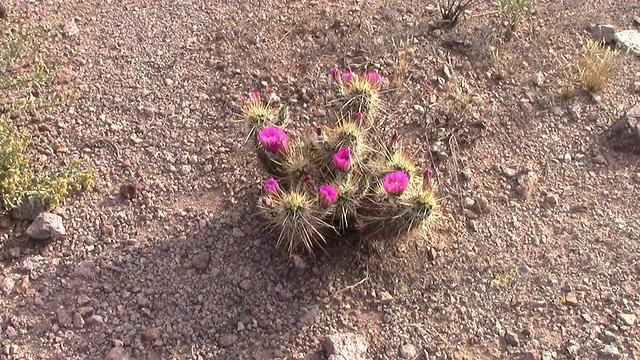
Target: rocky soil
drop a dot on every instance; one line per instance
(537, 257)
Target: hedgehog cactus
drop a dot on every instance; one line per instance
(341, 178)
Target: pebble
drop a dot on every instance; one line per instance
(237, 232)
(78, 321)
(408, 352)
(8, 283)
(571, 300)
(600, 159)
(245, 285)
(117, 353)
(607, 337)
(152, 334)
(512, 339)
(468, 203)
(470, 214)
(509, 172)
(63, 318)
(551, 200)
(95, 321)
(310, 315)
(200, 261)
(227, 340)
(627, 319)
(385, 298)
(610, 352)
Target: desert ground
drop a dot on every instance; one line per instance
(536, 256)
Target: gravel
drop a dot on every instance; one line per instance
(181, 268)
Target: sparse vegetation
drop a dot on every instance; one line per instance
(513, 12)
(24, 75)
(596, 66)
(452, 11)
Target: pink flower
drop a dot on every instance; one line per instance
(274, 139)
(336, 75)
(327, 195)
(374, 78)
(348, 77)
(255, 96)
(358, 119)
(271, 187)
(342, 159)
(427, 178)
(396, 182)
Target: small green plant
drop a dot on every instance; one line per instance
(19, 180)
(24, 76)
(344, 179)
(513, 13)
(597, 65)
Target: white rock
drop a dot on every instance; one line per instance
(45, 226)
(629, 40)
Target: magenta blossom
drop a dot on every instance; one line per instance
(396, 182)
(374, 78)
(348, 77)
(427, 178)
(336, 75)
(327, 195)
(274, 139)
(342, 159)
(255, 96)
(271, 187)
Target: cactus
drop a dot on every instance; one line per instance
(367, 184)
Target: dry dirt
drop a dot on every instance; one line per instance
(183, 272)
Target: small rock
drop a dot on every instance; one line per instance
(385, 298)
(227, 340)
(3, 11)
(610, 352)
(131, 190)
(509, 172)
(528, 356)
(603, 32)
(636, 21)
(408, 352)
(629, 40)
(200, 261)
(551, 200)
(94, 321)
(310, 315)
(46, 226)
(168, 82)
(237, 232)
(240, 326)
(586, 318)
(71, 28)
(78, 321)
(345, 346)
(11, 332)
(419, 108)
(298, 262)
(573, 349)
(538, 79)
(482, 204)
(152, 334)
(571, 300)
(512, 339)
(607, 337)
(245, 285)
(624, 134)
(64, 320)
(8, 283)
(526, 184)
(575, 112)
(117, 353)
(87, 270)
(600, 159)
(468, 203)
(627, 319)
(470, 214)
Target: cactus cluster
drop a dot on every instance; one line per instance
(340, 179)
